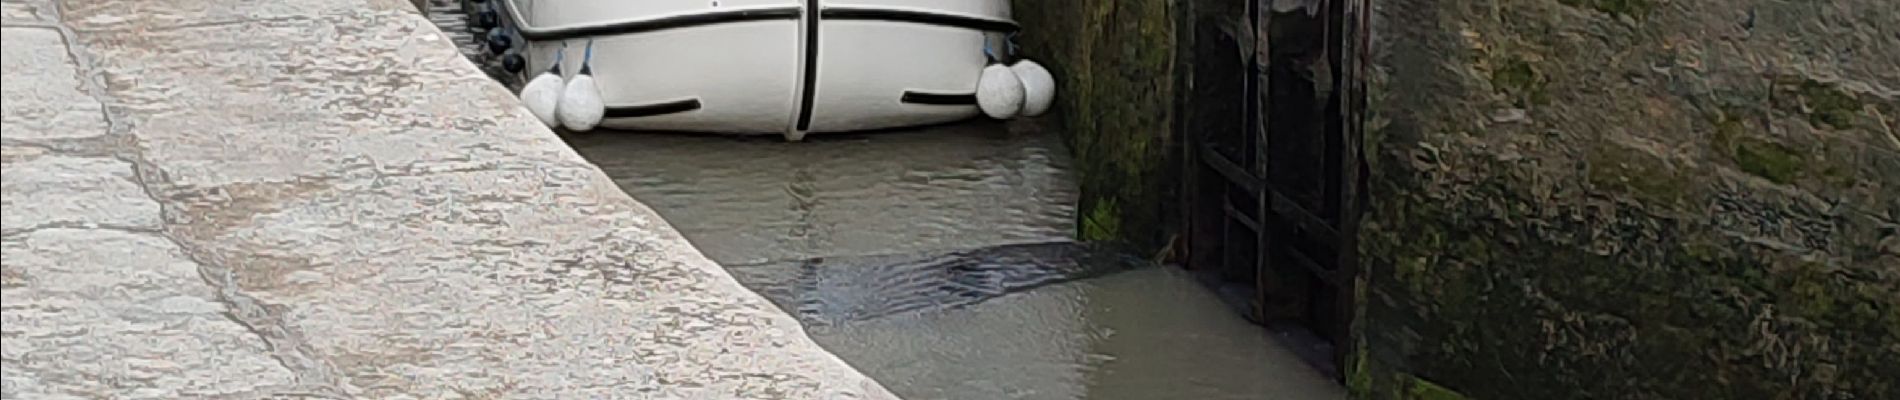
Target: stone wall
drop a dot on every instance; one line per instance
(1632, 199)
(1113, 61)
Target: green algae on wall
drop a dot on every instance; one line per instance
(1113, 62)
(1700, 200)
(1827, 105)
(1769, 160)
(1570, 198)
(1426, 390)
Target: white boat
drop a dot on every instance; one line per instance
(788, 67)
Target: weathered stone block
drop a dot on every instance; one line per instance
(42, 87)
(108, 313)
(53, 190)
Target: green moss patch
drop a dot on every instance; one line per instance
(1831, 299)
(1828, 106)
(1358, 374)
(1102, 222)
(1420, 389)
(1520, 79)
(1633, 8)
(1825, 105)
(1641, 175)
(1839, 176)
(1728, 127)
(1769, 160)
(1773, 161)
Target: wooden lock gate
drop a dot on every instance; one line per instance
(1274, 188)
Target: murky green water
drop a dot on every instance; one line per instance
(761, 199)
(1145, 333)
(934, 260)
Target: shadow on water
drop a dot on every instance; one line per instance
(837, 290)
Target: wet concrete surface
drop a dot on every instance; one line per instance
(937, 260)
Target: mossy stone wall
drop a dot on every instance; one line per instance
(1632, 199)
(1623, 199)
(1113, 63)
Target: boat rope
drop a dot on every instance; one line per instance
(587, 58)
(588, 55)
(1011, 41)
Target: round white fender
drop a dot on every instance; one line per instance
(581, 108)
(1039, 87)
(542, 95)
(999, 93)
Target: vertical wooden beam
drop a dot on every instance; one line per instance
(1195, 234)
(1255, 131)
(1350, 62)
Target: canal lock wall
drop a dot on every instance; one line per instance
(1114, 66)
(1563, 198)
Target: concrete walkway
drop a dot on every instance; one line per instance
(320, 198)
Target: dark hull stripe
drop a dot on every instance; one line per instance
(941, 99)
(659, 24)
(920, 17)
(654, 109)
(811, 66)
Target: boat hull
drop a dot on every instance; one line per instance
(771, 67)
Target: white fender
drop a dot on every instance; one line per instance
(542, 95)
(1039, 87)
(999, 93)
(581, 108)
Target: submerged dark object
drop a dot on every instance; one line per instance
(838, 290)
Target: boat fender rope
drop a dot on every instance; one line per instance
(1011, 41)
(587, 58)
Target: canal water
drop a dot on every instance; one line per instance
(972, 193)
(939, 261)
